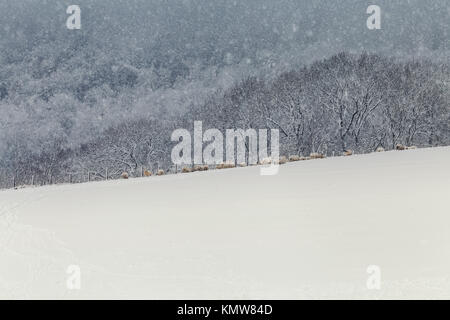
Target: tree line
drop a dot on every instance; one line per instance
(347, 102)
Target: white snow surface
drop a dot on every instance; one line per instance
(309, 232)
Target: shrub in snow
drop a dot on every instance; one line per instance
(186, 170)
(380, 149)
(411, 148)
(160, 172)
(23, 186)
(124, 175)
(400, 147)
(243, 164)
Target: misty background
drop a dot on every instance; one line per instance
(151, 65)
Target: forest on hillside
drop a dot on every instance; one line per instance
(106, 97)
(357, 102)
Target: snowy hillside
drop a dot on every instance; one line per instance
(309, 232)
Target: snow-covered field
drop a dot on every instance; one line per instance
(309, 232)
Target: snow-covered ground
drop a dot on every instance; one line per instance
(309, 232)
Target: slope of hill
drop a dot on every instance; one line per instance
(309, 232)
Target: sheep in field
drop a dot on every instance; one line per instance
(400, 147)
(267, 160)
(124, 175)
(348, 153)
(186, 170)
(282, 160)
(201, 168)
(229, 165)
(380, 149)
(160, 172)
(316, 155)
(147, 173)
(293, 158)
